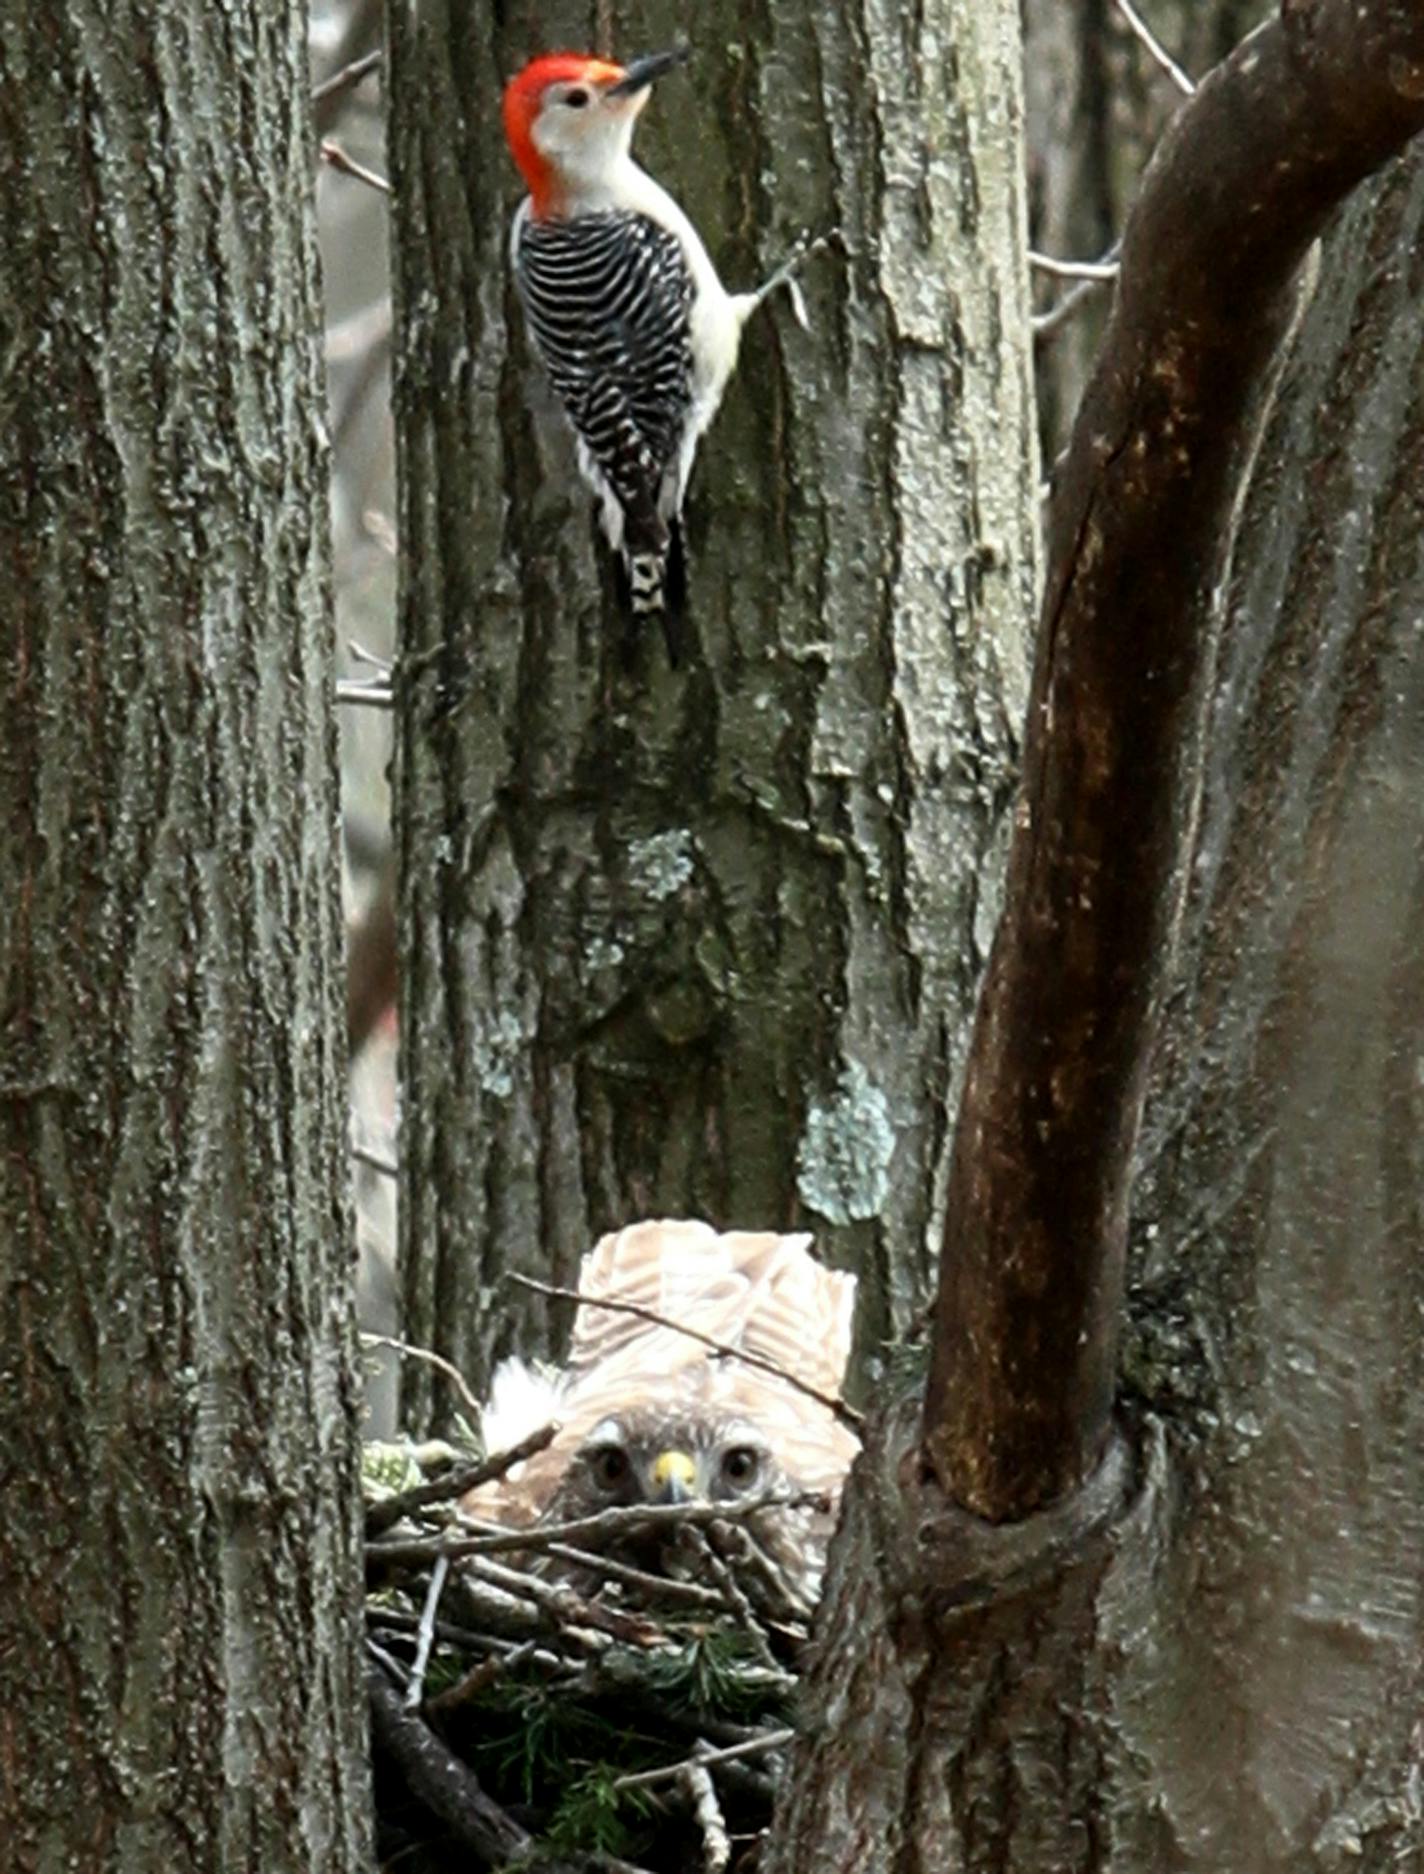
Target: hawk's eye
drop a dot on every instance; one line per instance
(576, 99)
(610, 1464)
(740, 1465)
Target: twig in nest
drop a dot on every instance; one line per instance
(697, 1784)
(452, 1373)
(388, 1511)
(425, 1636)
(483, 1674)
(604, 1525)
(568, 1608)
(446, 1786)
(845, 1413)
(358, 650)
(778, 1600)
(759, 1746)
(723, 1574)
(655, 1587)
(387, 1661)
(510, 1653)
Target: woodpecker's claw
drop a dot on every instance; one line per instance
(785, 275)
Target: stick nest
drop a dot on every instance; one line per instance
(537, 1705)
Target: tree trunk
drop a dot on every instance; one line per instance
(179, 1549)
(707, 942)
(1215, 1657)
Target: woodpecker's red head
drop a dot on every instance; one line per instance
(569, 120)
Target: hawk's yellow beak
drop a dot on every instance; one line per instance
(674, 1476)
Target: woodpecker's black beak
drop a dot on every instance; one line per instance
(641, 73)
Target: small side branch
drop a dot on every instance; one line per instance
(1024, 1358)
(349, 76)
(335, 157)
(1156, 50)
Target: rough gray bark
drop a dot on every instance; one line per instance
(179, 1683)
(1216, 1657)
(707, 943)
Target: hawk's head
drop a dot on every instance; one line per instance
(649, 1456)
(648, 1414)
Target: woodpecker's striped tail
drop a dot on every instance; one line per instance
(645, 583)
(654, 584)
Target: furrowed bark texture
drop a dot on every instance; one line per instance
(1230, 1674)
(706, 942)
(1031, 1279)
(179, 1550)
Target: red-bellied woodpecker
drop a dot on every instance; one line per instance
(625, 308)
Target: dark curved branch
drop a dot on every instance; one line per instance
(1031, 1279)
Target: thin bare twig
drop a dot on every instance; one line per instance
(349, 75)
(387, 1511)
(845, 1413)
(452, 1373)
(1155, 47)
(387, 1660)
(333, 154)
(425, 1635)
(758, 1746)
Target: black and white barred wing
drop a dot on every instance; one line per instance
(607, 299)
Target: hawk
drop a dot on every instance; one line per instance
(646, 1414)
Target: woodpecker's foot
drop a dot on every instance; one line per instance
(785, 275)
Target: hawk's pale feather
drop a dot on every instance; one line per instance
(757, 1291)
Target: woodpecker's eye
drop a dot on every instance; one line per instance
(740, 1465)
(576, 99)
(609, 1464)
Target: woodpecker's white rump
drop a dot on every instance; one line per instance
(626, 310)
